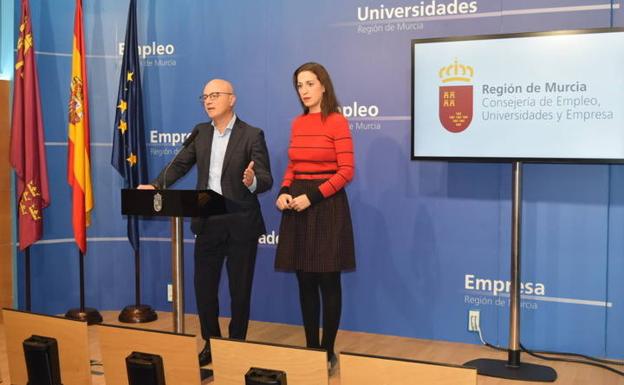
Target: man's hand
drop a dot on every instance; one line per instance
(146, 187)
(248, 174)
(283, 201)
(300, 203)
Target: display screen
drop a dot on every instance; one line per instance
(550, 97)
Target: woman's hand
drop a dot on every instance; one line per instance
(283, 201)
(300, 203)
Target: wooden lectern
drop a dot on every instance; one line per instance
(176, 204)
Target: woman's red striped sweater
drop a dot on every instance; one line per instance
(320, 150)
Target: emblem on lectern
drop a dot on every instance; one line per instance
(157, 202)
(456, 100)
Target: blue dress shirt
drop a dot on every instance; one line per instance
(217, 154)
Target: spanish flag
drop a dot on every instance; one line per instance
(79, 153)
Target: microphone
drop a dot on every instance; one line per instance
(186, 143)
(190, 139)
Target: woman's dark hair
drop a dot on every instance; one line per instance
(329, 103)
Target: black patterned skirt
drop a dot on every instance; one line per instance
(318, 239)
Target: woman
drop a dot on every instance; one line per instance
(316, 236)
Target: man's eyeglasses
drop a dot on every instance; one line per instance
(212, 96)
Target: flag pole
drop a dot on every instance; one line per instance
(137, 277)
(79, 160)
(88, 314)
(82, 296)
(27, 148)
(27, 277)
(129, 155)
(137, 313)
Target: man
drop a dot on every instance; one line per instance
(232, 159)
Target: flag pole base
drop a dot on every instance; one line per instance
(502, 369)
(90, 315)
(135, 314)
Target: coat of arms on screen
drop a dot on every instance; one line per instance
(456, 99)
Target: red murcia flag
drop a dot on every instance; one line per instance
(27, 153)
(456, 107)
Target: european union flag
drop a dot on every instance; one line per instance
(129, 156)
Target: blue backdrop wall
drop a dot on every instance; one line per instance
(432, 238)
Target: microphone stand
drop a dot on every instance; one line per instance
(187, 142)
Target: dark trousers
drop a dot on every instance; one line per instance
(315, 288)
(211, 251)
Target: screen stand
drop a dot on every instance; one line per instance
(513, 369)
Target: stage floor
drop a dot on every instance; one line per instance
(375, 344)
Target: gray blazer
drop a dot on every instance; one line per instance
(244, 219)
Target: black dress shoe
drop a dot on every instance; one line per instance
(205, 357)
